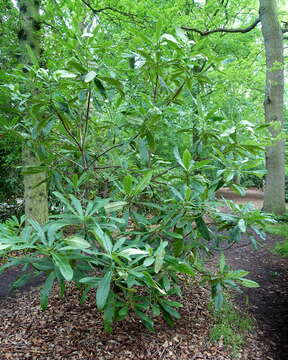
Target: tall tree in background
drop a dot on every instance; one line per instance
(35, 187)
(274, 192)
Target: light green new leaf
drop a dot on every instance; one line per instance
(187, 159)
(77, 242)
(127, 184)
(114, 206)
(178, 157)
(64, 74)
(242, 225)
(90, 76)
(159, 256)
(133, 251)
(249, 283)
(63, 264)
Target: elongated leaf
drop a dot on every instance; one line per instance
(77, 242)
(159, 256)
(64, 74)
(242, 225)
(114, 206)
(147, 321)
(90, 76)
(172, 312)
(102, 238)
(63, 265)
(103, 290)
(94, 281)
(127, 184)
(143, 183)
(151, 282)
(64, 201)
(109, 313)
(249, 283)
(45, 290)
(222, 263)
(178, 157)
(77, 206)
(133, 251)
(202, 227)
(187, 159)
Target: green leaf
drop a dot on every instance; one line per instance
(178, 157)
(170, 38)
(132, 251)
(77, 206)
(90, 76)
(242, 225)
(103, 290)
(187, 159)
(77, 242)
(148, 261)
(238, 189)
(93, 281)
(202, 227)
(222, 263)
(114, 206)
(159, 256)
(218, 301)
(145, 181)
(237, 274)
(172, 312)
(249, 283)
(64, 74)
(127, 184)
(45, 290)
(181, 267)
(147, 321)
(63, 264)
(151, 282)
(102, 238)
(109, 313)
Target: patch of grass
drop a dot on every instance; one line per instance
(230, 327)
(280, 229)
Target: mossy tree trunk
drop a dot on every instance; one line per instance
(35, 187)
(274, 191)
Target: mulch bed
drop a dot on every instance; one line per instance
(67, 330)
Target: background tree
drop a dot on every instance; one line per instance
(274, 190)
(35, 187)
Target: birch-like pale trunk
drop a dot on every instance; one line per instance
(274, 190)
(35, 195)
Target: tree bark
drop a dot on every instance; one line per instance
(274, 190)
(35, 187)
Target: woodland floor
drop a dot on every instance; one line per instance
(67, 330)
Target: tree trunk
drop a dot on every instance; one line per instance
(35, 195)
(274, 190)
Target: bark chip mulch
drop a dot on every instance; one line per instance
(67, 330)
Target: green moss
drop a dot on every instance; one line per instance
(230, 327)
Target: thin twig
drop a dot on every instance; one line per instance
(164, 172)
(110, 8)
(238, 30)
(87, 117)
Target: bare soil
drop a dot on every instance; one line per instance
(67, 330)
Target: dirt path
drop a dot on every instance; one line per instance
(269, 303)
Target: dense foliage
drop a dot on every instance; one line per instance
(137, 124)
